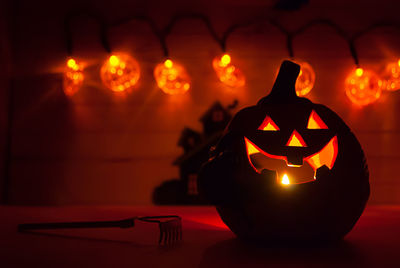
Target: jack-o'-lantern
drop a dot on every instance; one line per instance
(120, 72)
(287, 169)
(363, 87)
(73, 77)
(305, 81)
(172, 78)
(391, 76)
(228, 73)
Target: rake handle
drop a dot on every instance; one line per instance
(84, 224)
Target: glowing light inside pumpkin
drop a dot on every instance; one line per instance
(268, 125)
(363, 86)
(296, 140)
(73, 77)
(306, 79)
(228, 73)
(302, 173)
(120, 72)
(285, 179)
(391, 76)
(172, 77)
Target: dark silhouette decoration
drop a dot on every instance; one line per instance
(196, 147)
(256, 201)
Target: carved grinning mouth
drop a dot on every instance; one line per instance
(307, 172)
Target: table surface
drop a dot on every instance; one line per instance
(207, 242)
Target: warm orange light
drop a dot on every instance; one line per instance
(306, 79)
(296, 140)
(391, 76)
(268, 125)
(228, 73)
(225, 60)
(120, 72)
(363, 86)
(168, 63)
(327, 156)
(359, 72)
(171, 77)
(73, 77)
(285, 179)
(315, 122)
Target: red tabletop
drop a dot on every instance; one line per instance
(207, 242)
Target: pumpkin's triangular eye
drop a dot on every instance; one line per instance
(268, 125)
(315, 122)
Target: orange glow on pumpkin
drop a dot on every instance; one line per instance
(306, 79)
(363, 86)
(268, 125)
(73, 77)
(315, 122)
(296, 140)
(172, 77)
(327, 156)
(228, 73)
(120, 72)
(391, 76)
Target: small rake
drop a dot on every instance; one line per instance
(170, 226)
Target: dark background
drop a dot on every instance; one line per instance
(98, 148)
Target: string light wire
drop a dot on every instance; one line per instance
(163, 33)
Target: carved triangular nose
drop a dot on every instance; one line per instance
(296, 140)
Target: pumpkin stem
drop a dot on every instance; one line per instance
(284, 86)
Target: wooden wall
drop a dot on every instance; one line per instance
(98, 148)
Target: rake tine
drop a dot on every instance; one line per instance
(180, 230)
(175, 233)
(166, 238)
(171, 230)
(161, 233)
(172, 237)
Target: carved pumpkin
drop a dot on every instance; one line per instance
(120, 72)
(73, 77)
(228, 73)
(287, 169)
(363, 87)
(172, 77)
(305, 81)
(391, 76)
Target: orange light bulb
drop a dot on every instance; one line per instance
(120, 72)
(172, 77)
(363, 86)
(391, 76)
(73, 77)
(228, 73)
(306, 79)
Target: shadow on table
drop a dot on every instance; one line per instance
(235, 253)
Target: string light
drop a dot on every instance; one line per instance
(228, 73)
(120, 72)
(391, 76)
(171, 77)
(363, 87)
(73, 77)
(306, 79)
